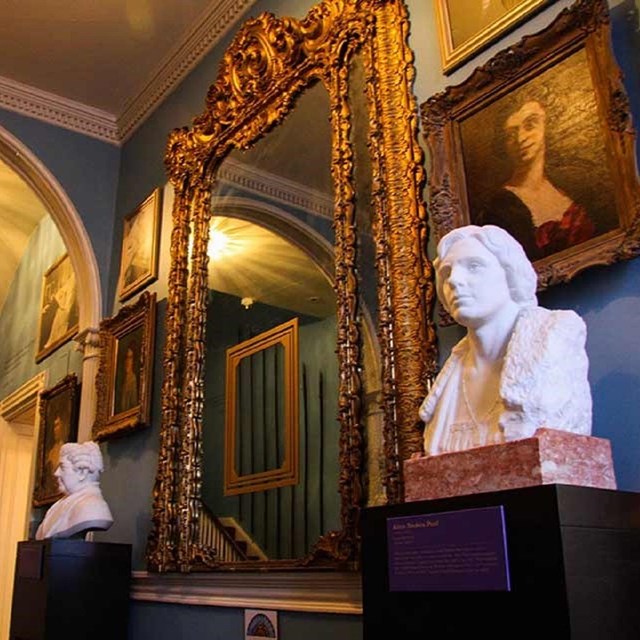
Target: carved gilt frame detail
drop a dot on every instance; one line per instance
(582, 28)
(270, 61)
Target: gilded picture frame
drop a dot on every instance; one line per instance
(236, 481)
(466, 28)
(125, 372)
(565, 83)
(58, 309)
(58, 408)
(140, 246)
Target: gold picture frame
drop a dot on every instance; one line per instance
(140, 243)
(466, 28)
(58, 309)
(568, 76)
(58, 409)
(236, 482)
(125, 373)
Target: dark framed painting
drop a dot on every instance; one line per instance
(539, 141)
(125, 371)
(140, 240)
(58, 409)
(58, 309)
(466, 27)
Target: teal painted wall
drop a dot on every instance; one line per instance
(20, 315)
(170, 622)
(106, 183)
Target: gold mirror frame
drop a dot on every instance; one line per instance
(270, 61)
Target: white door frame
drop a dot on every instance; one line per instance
(19, 429)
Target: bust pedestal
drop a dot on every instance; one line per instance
(550, 456)
(573, 561)
(71, 589)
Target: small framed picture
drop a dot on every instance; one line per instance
(58, 425)
(468, 26)
(140, 240)
(58, 309)
(125, 371)
(539, 141)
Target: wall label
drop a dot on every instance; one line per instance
(462, 550)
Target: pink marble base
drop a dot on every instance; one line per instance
(550, 456)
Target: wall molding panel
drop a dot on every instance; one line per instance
(287, 591)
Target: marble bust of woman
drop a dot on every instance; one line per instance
(519, 367)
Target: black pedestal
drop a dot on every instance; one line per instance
(574, 558)
(71, 590)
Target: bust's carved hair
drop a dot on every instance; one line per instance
(85, 455)
(522, 279)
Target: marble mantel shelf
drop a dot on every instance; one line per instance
(285, 591)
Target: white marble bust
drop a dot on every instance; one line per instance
(83, 508)
(520, 366)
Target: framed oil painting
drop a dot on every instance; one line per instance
(58, 309)
(539, 141)
(58, 425)
(140, 240)
(467, 26)
(125, 371)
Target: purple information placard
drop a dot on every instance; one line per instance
(451, 551)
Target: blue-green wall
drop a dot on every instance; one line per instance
(20, 316)
(173, 622)
(105, 183)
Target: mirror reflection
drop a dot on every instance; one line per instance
(271, 436)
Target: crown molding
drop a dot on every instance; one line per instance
(48, 107)
(213, 24)
(300, 591)
(207, 31)
(276, 188)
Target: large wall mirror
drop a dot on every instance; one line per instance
(299, 340)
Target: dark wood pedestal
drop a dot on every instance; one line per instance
(574, 566)
(71, 590)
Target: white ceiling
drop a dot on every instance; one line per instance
(97, 52)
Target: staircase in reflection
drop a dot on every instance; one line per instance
(231, 541)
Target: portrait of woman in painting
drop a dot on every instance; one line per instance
(59, 312)
(536, 164)
(127, 385)
(58, 411)
(544, 217)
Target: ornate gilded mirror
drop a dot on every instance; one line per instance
(299, 340)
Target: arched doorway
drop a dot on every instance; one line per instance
(19, 410)
(22, 160)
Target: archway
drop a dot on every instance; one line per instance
(22, 160)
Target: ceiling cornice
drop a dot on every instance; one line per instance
(275, 187)
(212, 25)
(62, 112)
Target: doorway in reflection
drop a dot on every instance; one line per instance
(260, 281)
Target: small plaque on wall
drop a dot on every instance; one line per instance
(259, 623)
(462, 550)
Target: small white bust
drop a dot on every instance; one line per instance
(520, 366)
(83, 508)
